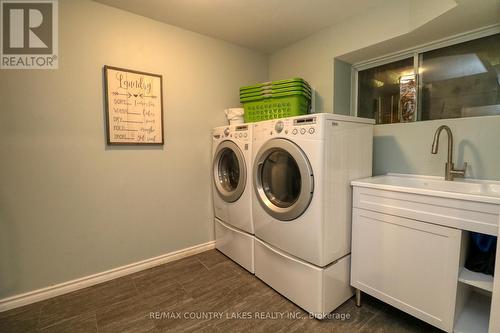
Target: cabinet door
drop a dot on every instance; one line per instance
(408, 264)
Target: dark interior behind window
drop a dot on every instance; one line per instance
(383, 92)
(461, 80)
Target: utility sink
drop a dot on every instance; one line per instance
(466, 204)
(464, 189)
(410, 241)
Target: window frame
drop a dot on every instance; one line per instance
(415, 52)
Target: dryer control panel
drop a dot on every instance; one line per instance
(233, 132)
(303, 127)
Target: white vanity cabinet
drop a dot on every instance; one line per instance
(410, 242)
(408, 264)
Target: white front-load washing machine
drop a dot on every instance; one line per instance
(232, 193)
(302, 204)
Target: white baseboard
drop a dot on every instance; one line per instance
(88, 281)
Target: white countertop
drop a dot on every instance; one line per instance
(487, 191)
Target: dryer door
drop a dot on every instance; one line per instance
(283, 179)
(230, 173)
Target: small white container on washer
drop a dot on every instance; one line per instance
(234, 115)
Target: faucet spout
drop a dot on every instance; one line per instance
(450, 172)
(435, 143)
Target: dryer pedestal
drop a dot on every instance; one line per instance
(236, 244)
(318, 290)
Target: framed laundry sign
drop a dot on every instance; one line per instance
(134, 107)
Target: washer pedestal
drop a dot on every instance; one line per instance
(236, 244)
(318, 290)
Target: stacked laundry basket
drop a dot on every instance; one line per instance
(277, 99)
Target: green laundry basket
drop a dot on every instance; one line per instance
(274, 106)
(277, 86)
(274, 83)
(272, 92)
(274, 89)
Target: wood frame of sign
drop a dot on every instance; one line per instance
(134, 107)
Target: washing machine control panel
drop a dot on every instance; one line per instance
(235, 132)
(306, 127)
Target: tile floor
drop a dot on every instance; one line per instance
(202, 293)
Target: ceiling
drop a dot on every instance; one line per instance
(263, 25)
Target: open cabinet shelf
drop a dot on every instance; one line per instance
(478, 280)
(475, 315)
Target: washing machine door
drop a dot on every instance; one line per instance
(283, 179)
(230, 172)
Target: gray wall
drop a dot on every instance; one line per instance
(342, 87)
(403, 148)
(406, 148)
(69, 205)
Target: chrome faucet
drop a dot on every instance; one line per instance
(450, 172)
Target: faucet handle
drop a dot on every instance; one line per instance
(459, 172)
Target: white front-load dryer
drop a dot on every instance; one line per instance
(301, 174)
(302, 204)
(232, 193)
